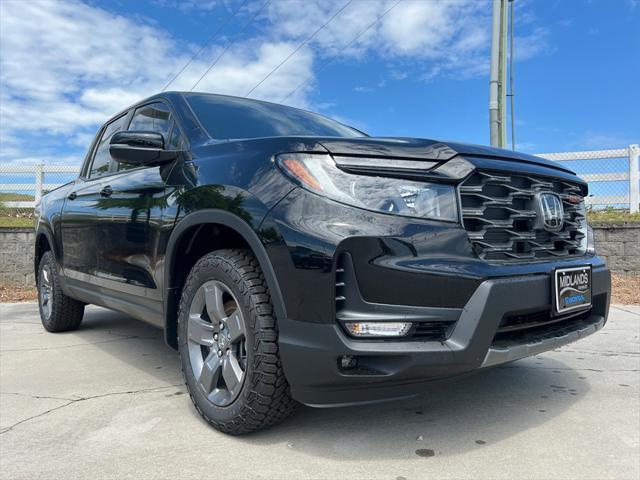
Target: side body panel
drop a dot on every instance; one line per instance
(80, 227)
(132, 245)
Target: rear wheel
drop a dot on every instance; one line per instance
(58, 312)
(228, 344)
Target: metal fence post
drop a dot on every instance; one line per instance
(634, 178)
(39, 170)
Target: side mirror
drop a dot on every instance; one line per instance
(140, 148)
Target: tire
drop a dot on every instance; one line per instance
(58, 312)
(228, 344)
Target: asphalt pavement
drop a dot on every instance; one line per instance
(108, 401)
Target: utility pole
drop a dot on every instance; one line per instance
(512, 113)
(498, 75)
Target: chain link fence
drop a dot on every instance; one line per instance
(613, 177)
(21, 187)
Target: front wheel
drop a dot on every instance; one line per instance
(227, 337)
(58, 312)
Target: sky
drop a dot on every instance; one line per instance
(419, 71)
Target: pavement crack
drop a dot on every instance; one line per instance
(11, 427)
(79, 399)
(36, 396)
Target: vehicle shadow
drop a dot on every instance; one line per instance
(131, 341)
(452, 417)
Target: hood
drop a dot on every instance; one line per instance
(425, 149)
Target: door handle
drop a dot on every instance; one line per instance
(72, 196)
(106, 191)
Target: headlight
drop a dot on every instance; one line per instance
(320, 174)
(587, 243)
(591, 242)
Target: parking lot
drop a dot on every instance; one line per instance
(108, 401)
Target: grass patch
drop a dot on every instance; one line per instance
(612, 216)
(17, 222)
(16, 217)
(16, 197)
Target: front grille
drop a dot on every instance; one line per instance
(432, 331)
(538, 326)
(499, 214)
(528, 321)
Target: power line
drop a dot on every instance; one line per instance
(213, 64)
(353, 40)
(205, 44)
(299, 47)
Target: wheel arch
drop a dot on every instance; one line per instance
(198, 220)
(43, 243)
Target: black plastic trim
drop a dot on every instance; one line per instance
(402, 368)
(45, 231)
(222, 217)
(351, 307)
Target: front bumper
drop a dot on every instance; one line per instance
(405, 269)
(398, 369)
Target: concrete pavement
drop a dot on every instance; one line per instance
(107, 401)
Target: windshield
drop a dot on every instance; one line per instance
(231, 117)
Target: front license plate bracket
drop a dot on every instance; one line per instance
(571, 289)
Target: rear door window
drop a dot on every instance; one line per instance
(176, 141)
(154, 117)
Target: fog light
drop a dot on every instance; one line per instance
(378, 329)
(348, 361)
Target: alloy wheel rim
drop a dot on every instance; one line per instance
(216, 338)
(46, 288)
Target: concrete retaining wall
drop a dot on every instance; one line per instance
(16, 256)
(619, 245)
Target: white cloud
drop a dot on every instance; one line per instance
(56, 56)
(66, 66)
(362, 89)
(537, 42)
(240, 70)
(416, 29)
(188, 5)
(442, 38)
(423, 29)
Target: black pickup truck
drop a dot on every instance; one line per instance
(290, 258)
